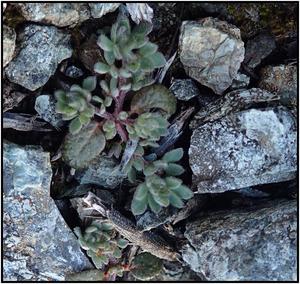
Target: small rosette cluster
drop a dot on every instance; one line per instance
(101, 243)
(75, 104)
(161, 188)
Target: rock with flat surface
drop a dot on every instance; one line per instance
(100, 9)
(242, 149)
(258, 244)
(9, 44)
(211, 52)
(41, 49)
(37, 243)
(58, 14)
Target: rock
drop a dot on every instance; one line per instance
(258, 49)
(73, 72)
(184, 89)
(45, 107)
(37, 244)
(211, 52)
(240, 81)
(100, 9)
(140, 12)
(281, 80)
(4, 5)
(11, 98)
(103, 172)
(42, 48)
(258, 244)
(9, 44)
(58, 14)
(243, 149)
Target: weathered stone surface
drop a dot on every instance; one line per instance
(258, 244)
(184, 89)
(9, 44)
(37, 244)
(11, 98)
(240, 81)
(140, 12)
(281, 80)
(211, 52)
(45, 107)
(42, 48)
(103, 172)
(58, 14)
(258, 49)
(100, 9)
(243, 149)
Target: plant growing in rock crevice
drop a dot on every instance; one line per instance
(128, 108)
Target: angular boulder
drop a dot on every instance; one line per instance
(211, 52)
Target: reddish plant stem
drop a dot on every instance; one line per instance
(105, 115)
(121, 131)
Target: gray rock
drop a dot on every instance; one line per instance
(42, 48)
(10, 97)
(240, 81)
(103, 172)
(9, 44)
(45, 107)
(73, 72)
(37, 244)
(245, 245)
(184, 89)
(258, 49)
(244, 149)
(100, 9)
(211, 52)
(140, 12)
(281, 80)
(58, 14)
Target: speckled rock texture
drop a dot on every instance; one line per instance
(258, 244)
(184, 89)
(100, 9)
(58, 14)
(37, 244)
(103, 171)
(246, 148)
(240, 81)
(282, 80)
(45, 107)
(41, 49)
(211, 52)
(10, 97)
(9, 44)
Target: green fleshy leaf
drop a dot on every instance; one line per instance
(117, 253)
(97, 99)
(132, 175)
(105, 43)
(125, 73)
(142, 28)
(173, 182)
(80, 149)
(138, 207)
(75, 126)
(154, 206)
(109, 57)
(114, 72)
(87, 275)
(184, 192)
(91, 229)
(174, 170)
(175, 200)
(108, 101)
(141, 192)
(148, 49)
(60, 95)
(134, 66)
(101, 68)
(147, 65)
(158, 60)
(84, 119)
(89, 83)
(149, 170)
(156, 96)
(117, 52)
(122, 243)
(162, 200)
(104, 86)
(173, 155)
(138, 163)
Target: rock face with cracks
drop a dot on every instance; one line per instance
(211, 52)
(258, 244)
(37, 244)
(9, 44)
(42, 48)
(246, 148)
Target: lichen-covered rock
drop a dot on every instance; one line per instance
(100, 9)
(211, 52)
(258, 48)
(9, 44)
(58, 14)
(10, 97)
(140, 12)
(281, 80)
(246, 148)
(184, 89)
(240, 81)
(258, 244)
(45, 107)
(37, 244)
(103, 171)
(42, 48)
